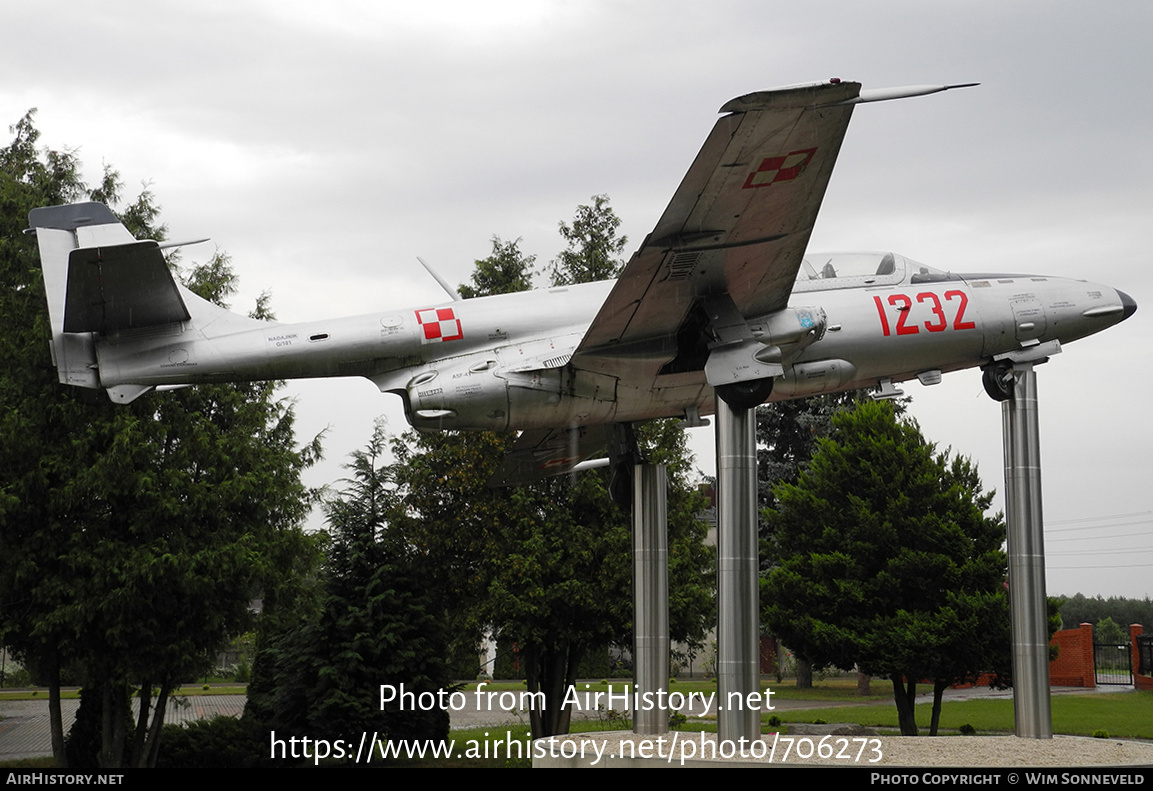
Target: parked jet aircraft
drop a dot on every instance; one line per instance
(721, 298)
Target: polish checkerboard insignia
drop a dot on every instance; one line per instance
(780, 168)
(439, 324)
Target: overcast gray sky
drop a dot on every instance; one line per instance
(326, 145)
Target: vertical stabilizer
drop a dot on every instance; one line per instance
(120, 320)
(59, 231)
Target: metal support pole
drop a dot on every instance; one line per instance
(650, 593)
(737, 593)
(1028, 609)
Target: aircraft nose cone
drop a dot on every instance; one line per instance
(1127, 303)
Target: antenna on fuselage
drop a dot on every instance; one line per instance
(443, 283)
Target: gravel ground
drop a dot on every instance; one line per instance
(1007, 751)
(960, 752)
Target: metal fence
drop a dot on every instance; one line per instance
(1113, 663)
(1145, 654)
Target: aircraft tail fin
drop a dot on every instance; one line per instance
(61, 230)
(102, 282)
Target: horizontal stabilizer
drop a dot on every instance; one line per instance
(72, 216)
(121, 287)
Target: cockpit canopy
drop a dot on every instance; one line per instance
(824, 271)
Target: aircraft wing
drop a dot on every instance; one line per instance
(732, 236)
(737, 225)
(542, 453)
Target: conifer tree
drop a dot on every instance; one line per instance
(887, 560)
(548, 566)
(132, 538)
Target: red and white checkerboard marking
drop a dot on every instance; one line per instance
(439, 324)
(780, 168)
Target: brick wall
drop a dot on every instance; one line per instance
(1139, 681)
(1073, 666)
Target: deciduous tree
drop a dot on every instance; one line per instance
(1079, 608)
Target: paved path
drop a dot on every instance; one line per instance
(24, 731)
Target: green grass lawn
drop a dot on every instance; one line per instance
(1127, 715)
(829, 690)
(1122, 715)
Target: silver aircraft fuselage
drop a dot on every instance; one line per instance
(720, 300)
(496, 363)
